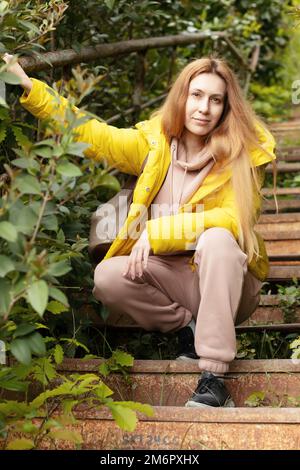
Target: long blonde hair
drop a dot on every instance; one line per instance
(230, 141)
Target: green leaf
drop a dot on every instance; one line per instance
(56, 307)
(255, 399)
(74, 342)
(37, 344)
(58, 295)
(58, 354)
(21, 138)
(6, 265)
(141, 407)
(14, 384)
(103, 391)
(23, 217)
(28, 163)
(122, 358)
(37, 295)
(44, 152)
(50, 142)
(23, 330)
(50, 222)
(20, 349)
(27, 184)
(76, 148)
(125, 418)
(29, 427)
(104, 369)
(44, 371)
(61, 236)
(68, 406)
(3, 103)
(8, 231)
(68, 169)
(2, 132)
(20, 444)
(66, 435)
(27, 25)
(109, 3)
(5, 297)
(11, 78)
(59, 269)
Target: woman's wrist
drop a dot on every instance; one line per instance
(27, 85)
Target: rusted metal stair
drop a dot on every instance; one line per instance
(266, 392)
(166, 385)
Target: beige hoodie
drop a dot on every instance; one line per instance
(182, 180)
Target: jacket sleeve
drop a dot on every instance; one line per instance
(124, 149)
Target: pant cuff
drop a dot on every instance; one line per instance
(213, 366)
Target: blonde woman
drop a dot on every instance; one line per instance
(196, 266)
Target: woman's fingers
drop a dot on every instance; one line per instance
(130, 265)
(137, 262)
(146, 256)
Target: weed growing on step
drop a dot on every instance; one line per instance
(289, 301)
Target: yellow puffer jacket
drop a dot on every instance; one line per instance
(126, 149)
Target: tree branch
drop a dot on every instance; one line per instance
(87, 54)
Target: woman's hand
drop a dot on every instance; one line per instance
(16, 69)
(138, 258)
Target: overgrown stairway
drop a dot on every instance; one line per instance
(266, 392)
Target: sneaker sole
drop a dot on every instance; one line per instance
(193, 404)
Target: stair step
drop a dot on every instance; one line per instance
(282, 230)
(293, 167)
(268, 312)
(282, 271)
(167, 385)
(279, 218)
(171, 383)
(283, 327)
(280, 191)
(174, 428)
(291, 205)
(283, 249)
(288, 154)
(285, 125)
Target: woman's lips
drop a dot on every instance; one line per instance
(201, 121)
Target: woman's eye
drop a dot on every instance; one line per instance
(216, 100)
(196, 94)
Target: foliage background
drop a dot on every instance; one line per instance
(48, 189)
(46, 276)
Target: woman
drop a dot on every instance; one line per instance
(198, 267)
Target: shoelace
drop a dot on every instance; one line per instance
(202, 387)
(203, 384)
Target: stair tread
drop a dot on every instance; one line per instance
(173, 366)
(210, 415)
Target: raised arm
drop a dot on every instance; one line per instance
(124, 149)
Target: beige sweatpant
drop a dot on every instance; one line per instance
(220, 293)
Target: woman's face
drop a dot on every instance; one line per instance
(205, 103)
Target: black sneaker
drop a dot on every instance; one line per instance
(186, 347)
(210, 392)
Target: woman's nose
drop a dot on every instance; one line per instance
(203, 106)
